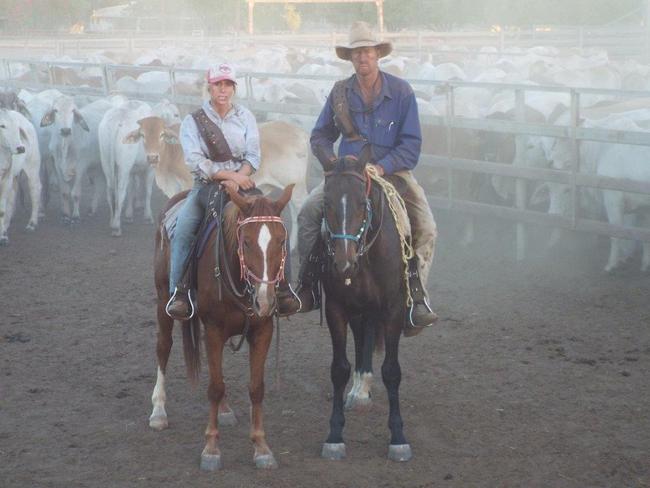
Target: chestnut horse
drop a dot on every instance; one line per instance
(254, 245)
(365, 288)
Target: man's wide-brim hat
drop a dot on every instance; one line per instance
(362, 35)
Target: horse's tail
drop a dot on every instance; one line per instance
(191, 349)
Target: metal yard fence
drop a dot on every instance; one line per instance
(630, 41)
(43, 75)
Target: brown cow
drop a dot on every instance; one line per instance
(285, 160)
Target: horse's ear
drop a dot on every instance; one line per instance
(365, 155)
(242, 202)
(281, 202)
(324, 158)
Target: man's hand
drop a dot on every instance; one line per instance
(380, 169)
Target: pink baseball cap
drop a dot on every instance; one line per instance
(220, 72)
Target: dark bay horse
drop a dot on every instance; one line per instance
(254, 244)
(365, 288)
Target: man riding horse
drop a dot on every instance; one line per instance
(377, 109)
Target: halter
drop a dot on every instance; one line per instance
(246, 273)
(365, 224)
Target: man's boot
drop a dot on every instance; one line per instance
(288, 301)
(180, 306)
(419, 315)
(308, 290)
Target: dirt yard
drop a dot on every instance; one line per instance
(536, 376)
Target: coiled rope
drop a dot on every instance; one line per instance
(397, 207)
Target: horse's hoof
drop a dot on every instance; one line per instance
(358, 404)
(116, 232)
(265, 461)
(65, 220)
(333, 451)
(211, 462)
(399, 452)
(227, 419)
(128, 220)
(148, 220)
(75, 221)
(159, 422)
(31, 227)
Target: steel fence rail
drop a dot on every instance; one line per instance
(520, 214)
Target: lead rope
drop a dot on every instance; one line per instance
(395, 201)
(278, 384)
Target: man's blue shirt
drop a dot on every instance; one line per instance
(391, 125)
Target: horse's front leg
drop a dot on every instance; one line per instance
(391, 373)
(214, 342)
(337, 321)
(259, 340)
(158, 418)
(363, 330)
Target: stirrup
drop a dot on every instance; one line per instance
(295, 295)
(411, 323)
(189, 299)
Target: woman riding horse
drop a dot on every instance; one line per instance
(221, 144)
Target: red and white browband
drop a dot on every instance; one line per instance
(246, 273)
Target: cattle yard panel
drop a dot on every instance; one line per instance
(618, 42)
(450, 164)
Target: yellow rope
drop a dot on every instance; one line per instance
(394, 201)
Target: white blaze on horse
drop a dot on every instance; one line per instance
(18, 153)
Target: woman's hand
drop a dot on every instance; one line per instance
(243, 181)
(230, 185)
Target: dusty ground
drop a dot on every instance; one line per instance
(537, 375)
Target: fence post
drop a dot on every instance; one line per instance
(172, 80)
(520, 183)
(449, 116)
(105, 80)
(575, 154)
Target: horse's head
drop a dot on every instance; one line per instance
(262, 247)
(348, 212)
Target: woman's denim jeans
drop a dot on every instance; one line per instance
(187, 224)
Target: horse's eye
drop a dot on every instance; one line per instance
(2, 126)
(246, 244)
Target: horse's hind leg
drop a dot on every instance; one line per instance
(359, 397)
(399, 449)
(334, 447)
(211, 455)
(158, 418)
(259, 342)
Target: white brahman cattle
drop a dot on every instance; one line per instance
(122, 161)
(18, 153)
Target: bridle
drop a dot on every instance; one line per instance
(360, 238)
(246, 274)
